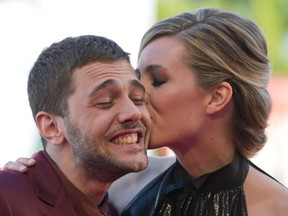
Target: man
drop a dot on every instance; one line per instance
(90, 110)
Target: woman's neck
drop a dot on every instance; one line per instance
(201, 159)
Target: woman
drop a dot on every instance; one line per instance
(206, 75)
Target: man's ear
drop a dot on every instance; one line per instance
(50, 127)
(220, 97)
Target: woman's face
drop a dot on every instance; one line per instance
(176, 104)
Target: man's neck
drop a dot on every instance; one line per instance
(93, 188)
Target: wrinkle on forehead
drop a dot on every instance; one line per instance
(97, 71)
(113, 83)
(89, 76)
(100, 69)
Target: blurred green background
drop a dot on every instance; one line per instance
(270, 15)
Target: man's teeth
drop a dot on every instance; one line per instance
(126, 139)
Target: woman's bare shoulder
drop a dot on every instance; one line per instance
(264, 195)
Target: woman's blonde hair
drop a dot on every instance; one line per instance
(224, 46)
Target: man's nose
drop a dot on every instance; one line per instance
(129, 112)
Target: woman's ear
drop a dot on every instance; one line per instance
(49, 127)
(221, 96)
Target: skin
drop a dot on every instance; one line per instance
(199, 135)
(108, 104)
(264, 196)
(195, 123)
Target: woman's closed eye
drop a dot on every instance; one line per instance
(158, 80)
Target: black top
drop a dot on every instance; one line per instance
(175, 193)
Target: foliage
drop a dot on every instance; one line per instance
(271, 16)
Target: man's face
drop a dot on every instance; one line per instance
(108, 125)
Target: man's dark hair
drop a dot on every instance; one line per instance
(49, 83)
(50, 79)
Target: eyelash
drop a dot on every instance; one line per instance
(156, 82)
(105, 104)
(138, 101)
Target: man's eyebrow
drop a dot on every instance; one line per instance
(106, 84)
(138, 84)
(111, 82)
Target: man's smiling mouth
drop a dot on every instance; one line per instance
(126, 139)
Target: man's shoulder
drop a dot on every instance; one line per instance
(40, 188)
(10, 180)
(15, 190)
(14, 180)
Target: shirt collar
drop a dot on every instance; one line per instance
(81, 203)
(227, 177)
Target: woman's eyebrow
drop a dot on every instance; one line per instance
(149, 68)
